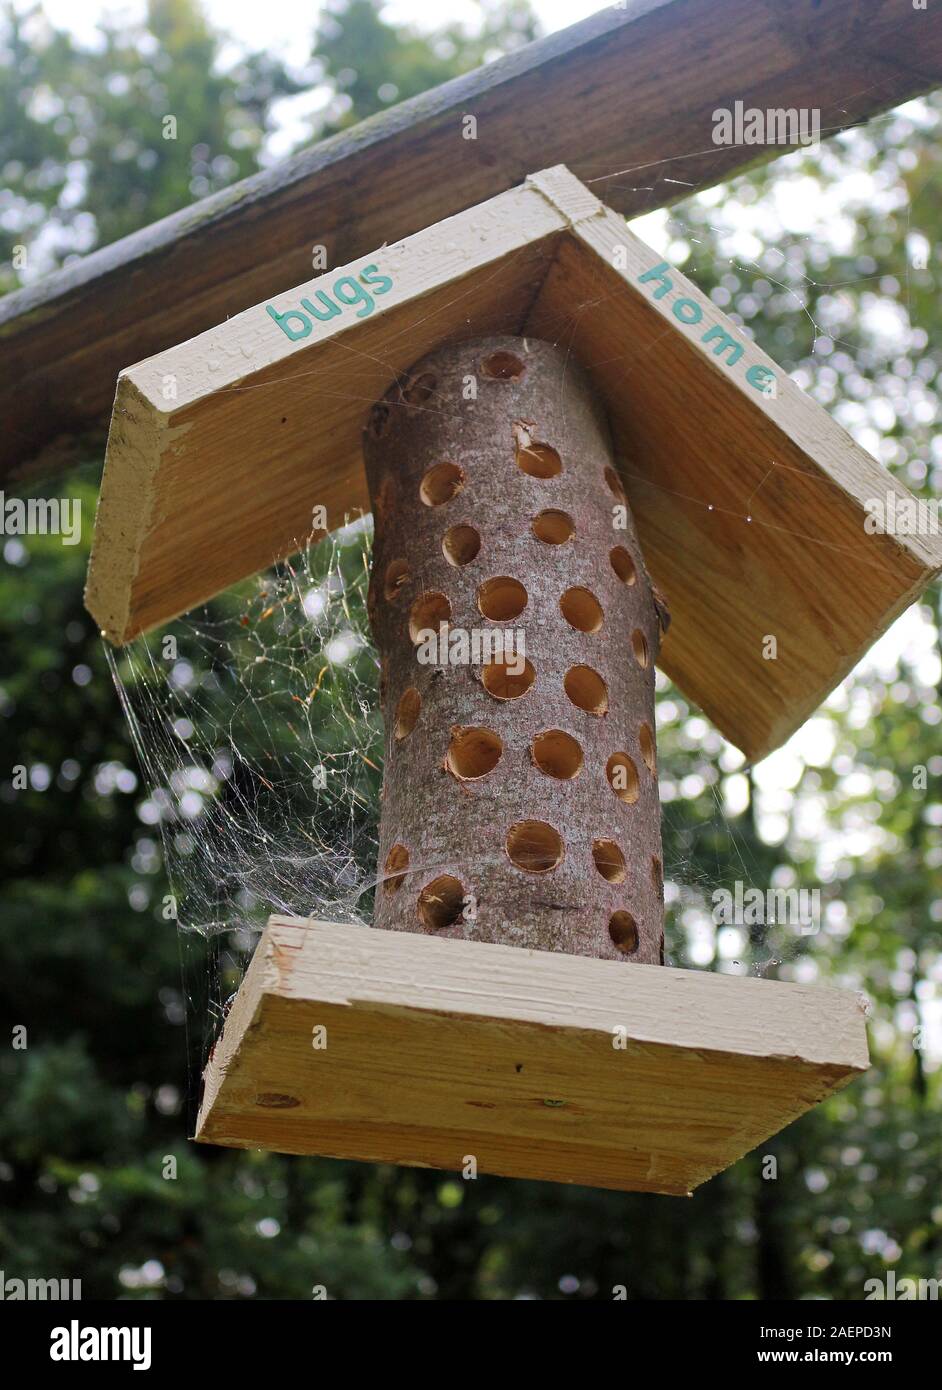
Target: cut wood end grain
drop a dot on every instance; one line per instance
(536, 1065)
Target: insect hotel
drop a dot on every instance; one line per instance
(622, 480)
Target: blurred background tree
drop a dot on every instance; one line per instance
(371, 65)
(97, 1180)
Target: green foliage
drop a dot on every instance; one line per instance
(96, 1178)
(95, 143)
(372, 65)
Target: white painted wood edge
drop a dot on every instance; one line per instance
(693, 1009)
(251, 341)
(840, 462)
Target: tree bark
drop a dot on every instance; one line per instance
(520, 800)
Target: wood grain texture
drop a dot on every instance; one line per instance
(173, 472)
(625, 98)
(441, 1049)
(749, 510)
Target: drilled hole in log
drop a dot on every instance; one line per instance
(503, 366)
(646, 744)
(534, 846)
(623, 777)
(442, 482)
(639, 645)
(615, 485)
(426, 613)
(418, 389)
(557, 754)
(473, 752)
(502, 598)
(460, 545)
(441, 902)
(623, 565)
(537, 460)
(586, 689)
(407, 713)
(609, 861)
(397, 861)
(623, 930)
(379, 420)
(581, 609)
(505, 681)
(398, 574)
(554, 528)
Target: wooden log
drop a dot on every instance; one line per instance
(626, 98)
(398, 1047)
(517, 632)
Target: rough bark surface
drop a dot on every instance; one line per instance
(516, 810)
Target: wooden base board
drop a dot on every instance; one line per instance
(534, 1064)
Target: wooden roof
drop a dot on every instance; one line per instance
(749, 499)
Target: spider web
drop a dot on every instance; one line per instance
(257, 724)
(256, 720)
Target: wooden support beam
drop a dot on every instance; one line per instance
(537, 1065)
(625, 99)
